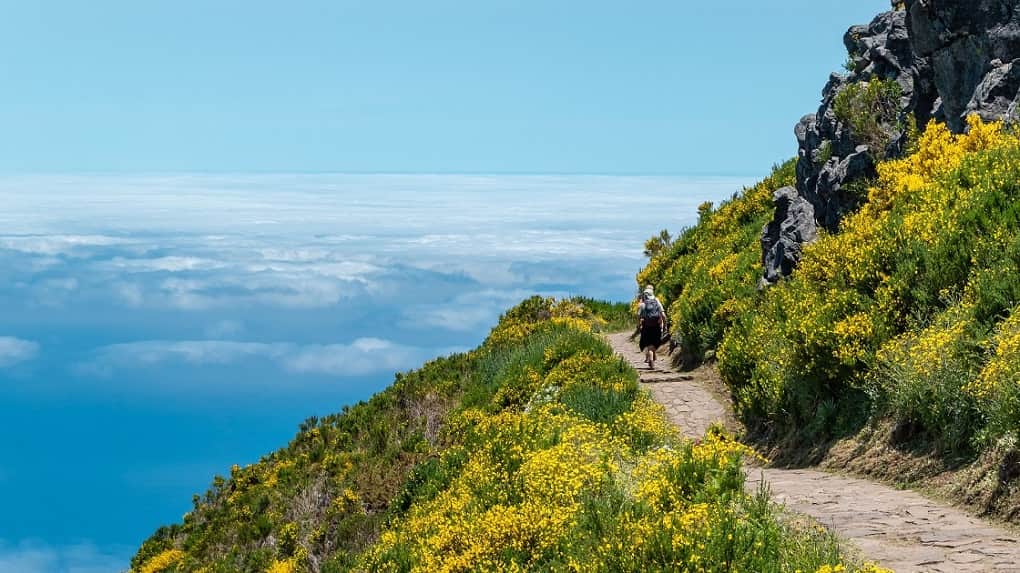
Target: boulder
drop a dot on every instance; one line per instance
(784, 238)
(996, 95)
(966, 42)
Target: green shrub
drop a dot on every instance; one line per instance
(922, 377)
(872, 111)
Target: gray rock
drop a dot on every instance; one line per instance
(959, 69)
(837, 177)
(996, 96)
(829, 154)
(961, 39)
(784, 238)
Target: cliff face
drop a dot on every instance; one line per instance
(925, 60)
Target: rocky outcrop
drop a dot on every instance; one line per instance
(924, 60)
(967, 43)
(832, 155)
(783, 238)
(996, 96)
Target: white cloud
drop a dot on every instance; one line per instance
(205, 233)
(467, 312)
(363, 356)
(171, 264)
(195, 352)
(15, 350)
(130, 293)
(224, 329)
(35, 557)
(360, 357)
(55, 292)
(69, 245)
(282, 286)
(455, 318)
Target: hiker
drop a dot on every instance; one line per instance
(651, 322)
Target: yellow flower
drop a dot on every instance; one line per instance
(162, 562)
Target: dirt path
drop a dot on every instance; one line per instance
(901, 530)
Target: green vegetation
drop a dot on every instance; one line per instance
(906, 314)
(658, 243)
(709, 275)
(536, 451)
(871, 109)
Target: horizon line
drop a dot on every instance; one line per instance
(731, 175)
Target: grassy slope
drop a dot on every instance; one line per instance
(899, 328)
(536, 451)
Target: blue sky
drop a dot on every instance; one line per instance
(446, 86)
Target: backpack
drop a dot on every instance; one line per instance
(651, 308)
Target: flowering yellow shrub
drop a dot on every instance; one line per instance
(645, 423)
(538, 313)
(165, 561)
(552, 488)
(910, 284)
(514, 496)
(926, 351)
(997, 386)
(1002, 372)
(550, 459)
(655, 474)
(285, 566)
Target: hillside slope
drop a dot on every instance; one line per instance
(883, 335)
(537, 451)
(902, 324)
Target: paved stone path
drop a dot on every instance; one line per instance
(901, 530)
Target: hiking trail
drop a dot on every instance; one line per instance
(898, 529)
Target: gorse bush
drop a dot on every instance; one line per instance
(936, 243)
(997, 386)
(546, 457)
(658, 243)
(587, 476)
(922, 375)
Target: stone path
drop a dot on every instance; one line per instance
(901, 530)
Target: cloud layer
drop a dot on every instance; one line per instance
(15, 350)
(229, 244)
(38, 557)
(191, 322)
(361, 357)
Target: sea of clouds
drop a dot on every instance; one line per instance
(204, 316)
